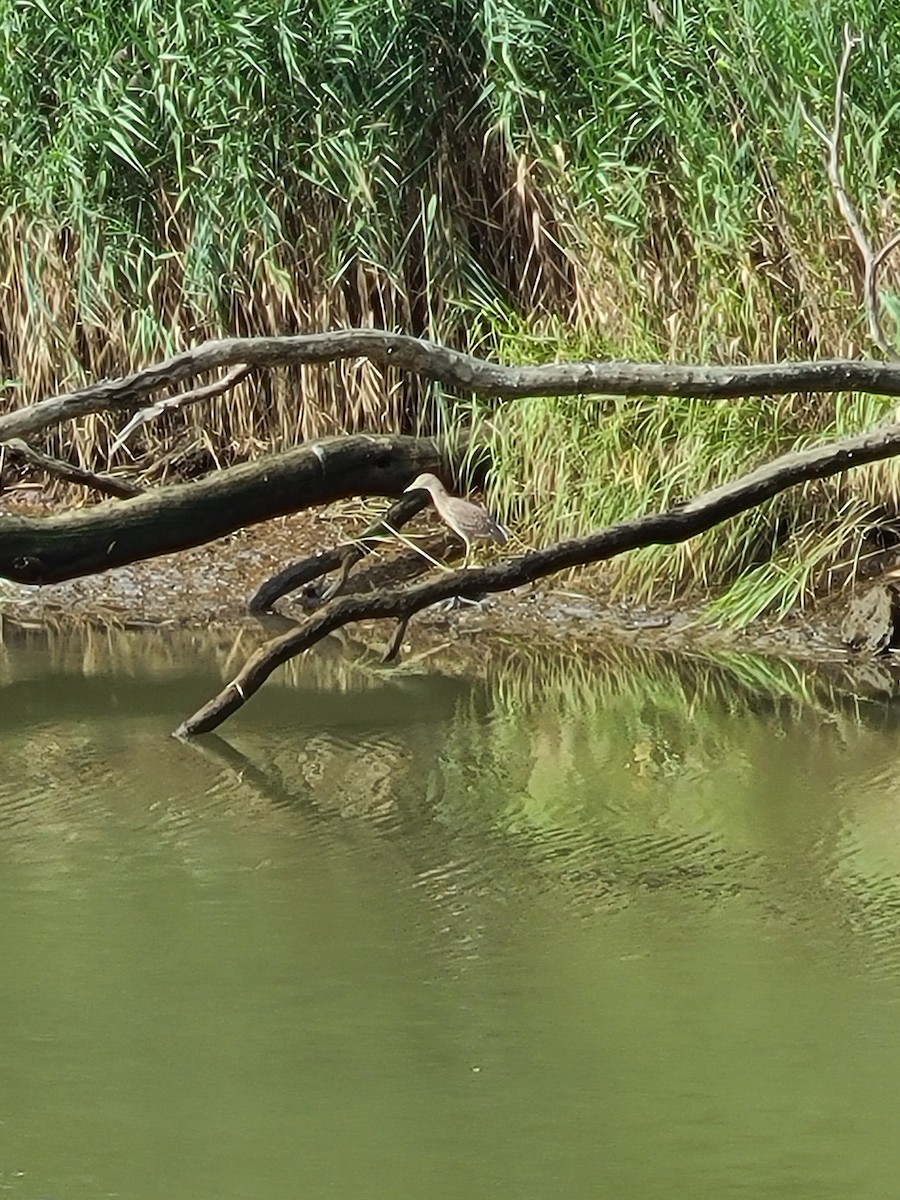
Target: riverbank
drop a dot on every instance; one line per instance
(211, 585)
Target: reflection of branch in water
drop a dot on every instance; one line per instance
(370, 773)
(268, 783)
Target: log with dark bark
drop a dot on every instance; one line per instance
(666, 528)
(44, 550)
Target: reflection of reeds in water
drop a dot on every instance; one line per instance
(589, 676)
(595, 775)
(90, 648)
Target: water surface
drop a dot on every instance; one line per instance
(621, 929)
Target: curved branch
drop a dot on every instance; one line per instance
(665, 528)
(461, 372)
(888, 248)
(834, 144)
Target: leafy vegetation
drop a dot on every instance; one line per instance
(530, 180)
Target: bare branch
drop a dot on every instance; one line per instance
(463, 373)
(851, 42)
(235, 376)
(69, 473)
(815, 125)
(833, 141)
(665, 528)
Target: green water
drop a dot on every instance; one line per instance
(606, 930)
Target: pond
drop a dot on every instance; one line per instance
(624, 927)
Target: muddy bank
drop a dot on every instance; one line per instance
(211, 586)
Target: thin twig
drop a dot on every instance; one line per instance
(122, 489)
(416, 549)
(890, 245)
(393, 648)
(170, 403)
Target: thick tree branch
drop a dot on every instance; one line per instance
(666, 528)
(460, 372)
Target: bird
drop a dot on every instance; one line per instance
(468, 521)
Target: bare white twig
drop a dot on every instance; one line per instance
(872, 259)
(170, 403)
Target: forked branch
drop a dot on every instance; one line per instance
(180, 400)
(872, 259)
(341, 558)
(462, 373)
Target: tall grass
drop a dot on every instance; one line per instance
(181, 169)
(528, 179)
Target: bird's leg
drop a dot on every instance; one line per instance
(457, 602)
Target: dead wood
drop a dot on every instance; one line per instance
(49, 549)
(872, 259)
(459, 372)
(664, 528)
(340, 558)
(57, 468)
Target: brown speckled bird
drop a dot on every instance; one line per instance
(468, 521)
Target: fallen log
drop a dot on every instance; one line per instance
(41, 550)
